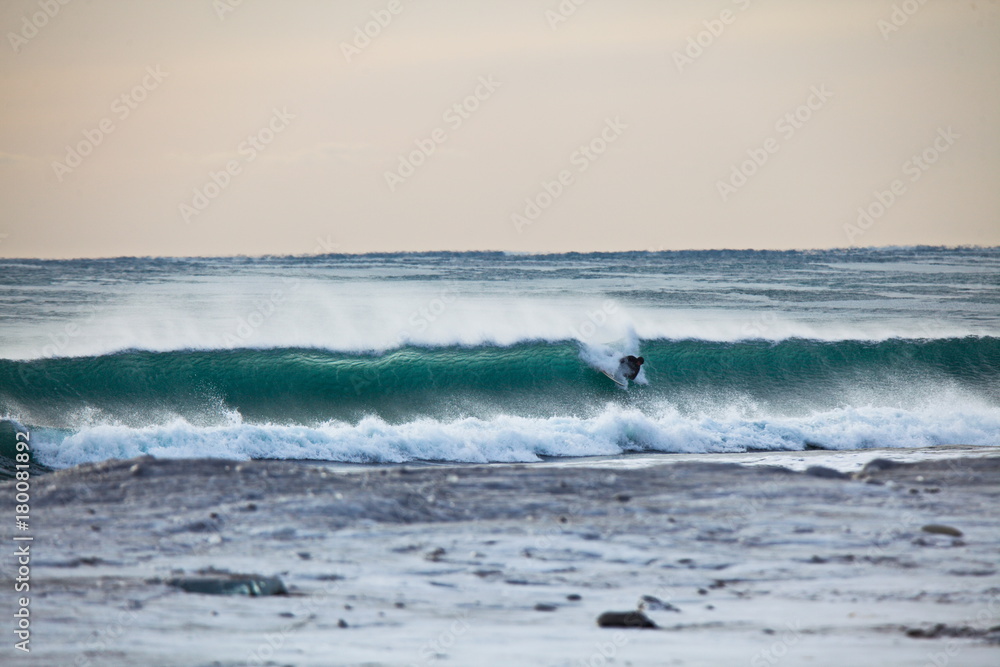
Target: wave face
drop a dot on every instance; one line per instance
(515, 403)
(494, 357)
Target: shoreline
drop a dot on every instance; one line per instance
(513, 563)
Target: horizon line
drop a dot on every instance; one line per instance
(514, 253)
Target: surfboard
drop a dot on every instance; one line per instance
(615, 380)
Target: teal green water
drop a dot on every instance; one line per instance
(533, 379)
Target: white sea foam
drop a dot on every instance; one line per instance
(520, 439)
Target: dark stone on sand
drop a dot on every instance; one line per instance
(623, 497)
(943, 630)
(972, 572)
(702, 591)
(341, 623)
(231, 584)
(878, 465)
(541, 606)
(939, 529)
(573, 597)
(826, 473)
(200, 526)
(484, 574)
(77, 562)
(408, 549)
(624, 619)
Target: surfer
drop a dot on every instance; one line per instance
(629, 366)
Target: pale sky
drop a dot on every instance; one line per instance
(116, 114)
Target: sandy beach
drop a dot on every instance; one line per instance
(895, 564)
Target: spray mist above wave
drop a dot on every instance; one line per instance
(375, 318)
(379, 303)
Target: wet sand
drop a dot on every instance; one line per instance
(755, 564)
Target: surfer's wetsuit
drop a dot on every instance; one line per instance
(630, 366)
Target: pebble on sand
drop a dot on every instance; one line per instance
(230, 584)
(878, 465)
(624, 619)
(938, 529)
(823, 472)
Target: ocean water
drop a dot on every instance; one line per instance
(493, 357)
